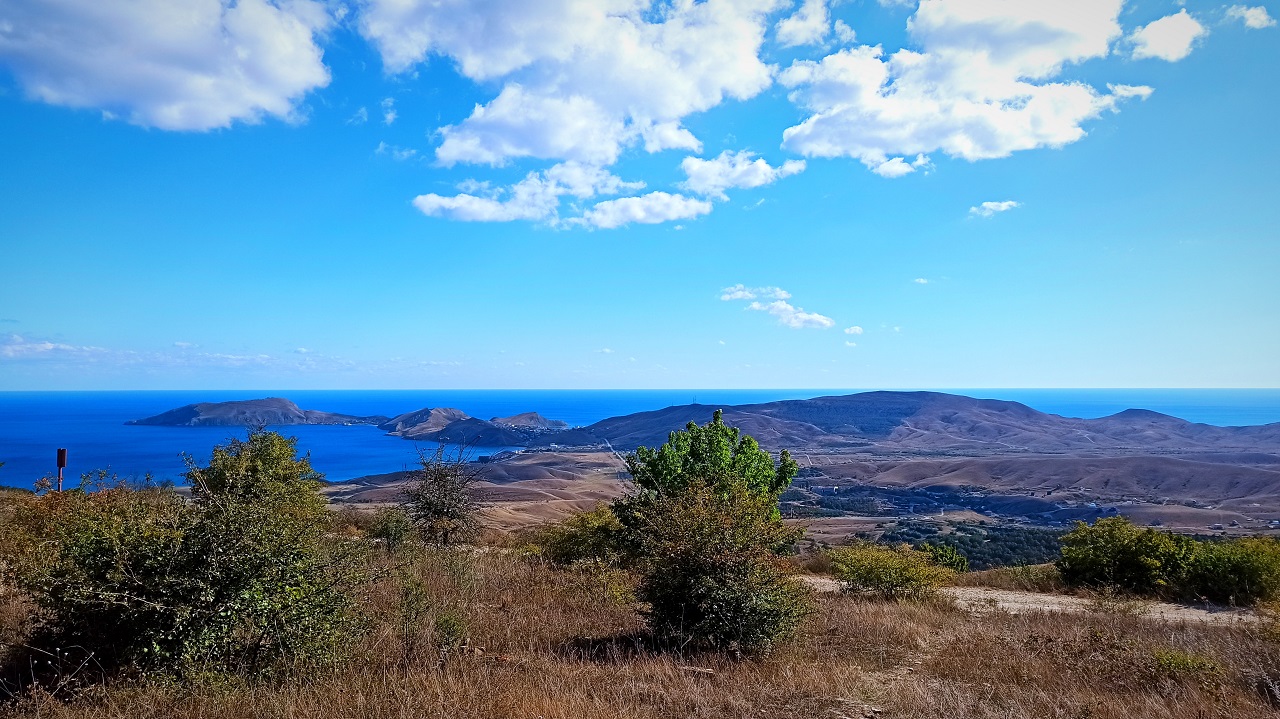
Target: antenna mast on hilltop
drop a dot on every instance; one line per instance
(62, 464)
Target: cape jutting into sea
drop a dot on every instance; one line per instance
(91, 424)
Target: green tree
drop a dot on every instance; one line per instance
(715, 453)
(709, 572)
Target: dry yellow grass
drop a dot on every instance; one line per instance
(528, 640)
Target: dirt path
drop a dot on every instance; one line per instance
(983, 599)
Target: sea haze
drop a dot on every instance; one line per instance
(91, 424)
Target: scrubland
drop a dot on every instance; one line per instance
(473, 632)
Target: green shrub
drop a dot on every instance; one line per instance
(589, 536)
(945, 555)
(1116, 553)
(888, 572)
(1178, 664)
(709, 570)
(1242, 571)
(241, 578)
(393, 526)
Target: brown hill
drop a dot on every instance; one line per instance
(932, 422)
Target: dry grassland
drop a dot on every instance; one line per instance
(492, 634)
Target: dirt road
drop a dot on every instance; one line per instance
(983, 599)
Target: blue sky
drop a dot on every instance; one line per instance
(625, 194)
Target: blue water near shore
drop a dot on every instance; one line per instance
(91, 424)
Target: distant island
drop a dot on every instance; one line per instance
(244, 413)
(911, 422)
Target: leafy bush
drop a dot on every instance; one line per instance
(710, 572)
(1115, 553)
(1242, 571)
(889, 572)
(945, 555)
(589, 536)
(393, 526)
(241, 578)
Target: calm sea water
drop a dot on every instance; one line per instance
(91, 424)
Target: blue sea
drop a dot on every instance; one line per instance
(91, 424)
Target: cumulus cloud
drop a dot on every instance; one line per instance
(580, 79)
(808, 26)
(775, 303)
(733, 169)
(742, 292)
(991, 209)
(854, 330)
(649, 209)
(1255, 18)
(791, 316)
(920, 281)
(389, 113)
(535, 198)
(192, 65)
(1169, 38)
(980, 86)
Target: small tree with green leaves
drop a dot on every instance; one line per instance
(704, 531)
(709, 572)
(440, 498)
(714, 453)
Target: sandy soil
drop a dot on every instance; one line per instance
(983, 599)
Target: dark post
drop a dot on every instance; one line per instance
(62, 463)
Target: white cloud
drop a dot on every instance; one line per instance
(920, 281)
(991, 209)
(808, 26)
(535, 198)
(791, 316)
(395, 151)
(733, 169)
(776, 305)
(1255, 18)
(191, 65)
(854, 330)
(302, 351)
(580, 79)
(1141, 92)
(647, 209)
(389, 114)
(17, 347)
(360, 117)
(742, 292)
(844, 33)
(605, 351)
(850, 344)
(184, 345)
(980, 86)
(1169, 38)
